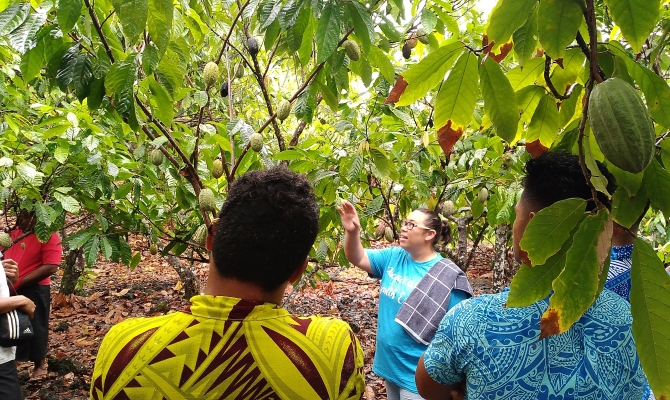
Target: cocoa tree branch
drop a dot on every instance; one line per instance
(230, 31)
(547, 79)
(476, 243)
(98, 28)
(268, 102)
(593, 75)
(585, 49)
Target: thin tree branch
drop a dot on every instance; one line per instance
(230, 31)
(547, 79)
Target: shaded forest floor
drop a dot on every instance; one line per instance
(117, 293)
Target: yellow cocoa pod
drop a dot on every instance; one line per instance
(256, 142)
(283, 110)
(206, 200)
(352, 49)
(217, 168)
(210, 74)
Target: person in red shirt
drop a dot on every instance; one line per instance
(36, 263)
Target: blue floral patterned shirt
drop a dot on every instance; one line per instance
(497, 351)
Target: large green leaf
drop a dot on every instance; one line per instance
(656, 182)
(507, 17)
(544, 124)
(550, 228)
(67, 65)
(522, 76)
(577, 286)
(650, 306)
(82, 74)
(23, 37)
(628, 180)
(428, 73)
(636, 18)
(12, 17)
(289, 13)
(68, 14)
(363, 26)
(380, 161)
(161, 103)
(328, 31)
(31, 63)
(133, 16)
(626, 210)
(531, 284)
(656, 92)
(525, 39)
(459, 93)
(119, 82)
(159, 23)
(558, 22)
(499, 100)
(378, 58)
(598, 180)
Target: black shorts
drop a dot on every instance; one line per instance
(36, 348)
(10, 389)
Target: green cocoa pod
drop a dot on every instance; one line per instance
(448, 208)
(621, 125)
(153, 249)
(5, 240)
(352, 50)
(200, 235)
(483, 195)
(210, 74)
(388, 234)
(239, 71)
(256, 142)
(156, 157)
(206, 200)
(406, 51)
(422, 36)
(252, 45)
(283, 110)
(217, 168)
(224, 89)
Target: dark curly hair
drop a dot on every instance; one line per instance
(556, 175)
(434, 222)
(266, 227)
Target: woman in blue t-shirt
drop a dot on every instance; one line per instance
(400, 269)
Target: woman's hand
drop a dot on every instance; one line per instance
(11, 270)
(349, 217)
(27, 306)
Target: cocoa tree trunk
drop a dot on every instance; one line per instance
(462, 226)
(500, 263)
(188, 279)
(73, 267)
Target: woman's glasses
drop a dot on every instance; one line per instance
(411, 225)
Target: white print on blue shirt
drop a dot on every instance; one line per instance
(390, 289)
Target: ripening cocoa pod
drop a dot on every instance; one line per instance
(483, 195)
(406, 51)
(381, 229)
(210, 74)
(283, 110)
(411, 41)
(252, 45)
(448, 208)
(352, 50)
(388, 234)
(153, 249)
(217, 168)
(5, 240)
(156, 157)
(206, 200)
(621, 125)
(200, 235)
(256, 142)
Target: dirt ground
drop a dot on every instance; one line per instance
(115, 293)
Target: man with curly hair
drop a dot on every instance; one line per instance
(236, 341)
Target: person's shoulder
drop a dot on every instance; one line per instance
(323, 323)
(133, 327)
(611, 306)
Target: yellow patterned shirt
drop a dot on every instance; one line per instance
(227, 348)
